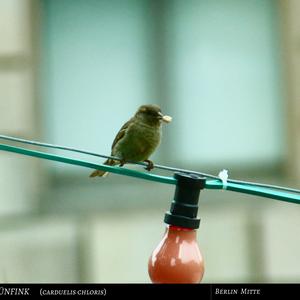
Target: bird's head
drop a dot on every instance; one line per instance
(151, 114)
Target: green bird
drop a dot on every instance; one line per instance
(138, 138)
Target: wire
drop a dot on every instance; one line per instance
(209, 184)
(46, 145)
(156, 166)
(88, 164)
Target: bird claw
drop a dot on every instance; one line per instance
(150, 164)
(122, 163)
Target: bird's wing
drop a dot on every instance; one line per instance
(121, 133)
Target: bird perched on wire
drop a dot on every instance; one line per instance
(138, 138)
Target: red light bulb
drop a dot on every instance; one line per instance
(177, 258)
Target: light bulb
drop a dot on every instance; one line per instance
(177, 258)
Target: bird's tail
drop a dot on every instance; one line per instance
(100, 173)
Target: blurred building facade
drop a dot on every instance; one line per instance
(227, 71)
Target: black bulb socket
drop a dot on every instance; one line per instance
(184, 207)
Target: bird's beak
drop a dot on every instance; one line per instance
(166, 119)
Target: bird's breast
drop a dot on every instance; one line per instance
(146, 136)
(139, 142)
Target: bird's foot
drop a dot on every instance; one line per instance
(122, 163)
(150, 164)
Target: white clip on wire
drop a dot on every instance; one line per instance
(223, 175)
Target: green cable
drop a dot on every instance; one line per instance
(210, 184)
(254, 190)
(82, 163)
(155, 166)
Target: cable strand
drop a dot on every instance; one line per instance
(156, 166)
